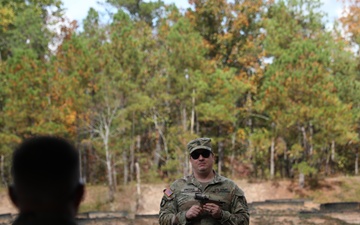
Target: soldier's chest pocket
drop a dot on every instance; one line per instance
(185, 202)
(186, 198)
(224, 196)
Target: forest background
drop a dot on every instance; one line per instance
(278, 93)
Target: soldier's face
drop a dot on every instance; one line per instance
(202, 161)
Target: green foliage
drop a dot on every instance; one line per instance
(171, 169)
(305, 168)
(138, 9)
(139, 87)
(25, 25)
(299, 92)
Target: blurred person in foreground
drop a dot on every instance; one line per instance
(46, 185)
(224, 202)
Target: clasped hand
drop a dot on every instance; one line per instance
(196, 210)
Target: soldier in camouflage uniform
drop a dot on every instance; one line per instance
(228, 204)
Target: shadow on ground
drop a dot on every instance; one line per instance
(280, 212)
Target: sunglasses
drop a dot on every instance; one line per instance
(196, 155)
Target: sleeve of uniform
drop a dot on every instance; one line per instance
(169, 214)
(239, 214)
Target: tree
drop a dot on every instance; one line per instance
(345, 67)
(139, 10)
(24, 39)
(350, 20)
(181, 56)
(26, 25)
(298, 91)
(232, 32)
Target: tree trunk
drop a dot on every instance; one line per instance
(186, 169)
(251, 150)
(158, 144)
(272, 159)
(305, 143)
(138, 146)
(110, 182)
(197, 124)
(327, 170)
(333, 150)
(138, 185)
(83, 160)
(221, 156)
(185, 165)
(109, 170)
(305, 147)
(301, 180)
(249, 123)
(332, 162)
(2, 171)
(192, 121)
(310, 142)
(250, 146)
(256, 170)
(80, 163)
(184, 118)
(157, 152)
(132, 149)
(232, 157)
(357, 163)
(132, 160)
(286, 166)
(114, 174)
(126, 170)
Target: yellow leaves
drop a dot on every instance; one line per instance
(6, 18)
(241, 21)
(288, 81)
(226, 36)
(241, 134)
(249, 6)
(351, 18)
(70, 118)
(6, 138)
(296, 151)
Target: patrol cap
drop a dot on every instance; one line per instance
(199, 143)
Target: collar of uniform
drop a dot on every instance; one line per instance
(192, 180)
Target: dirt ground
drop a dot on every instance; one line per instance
(6, 206)
(151, 194)
(254, 192)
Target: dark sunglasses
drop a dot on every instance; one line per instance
(196, 154)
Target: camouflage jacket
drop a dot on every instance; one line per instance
(181, 196)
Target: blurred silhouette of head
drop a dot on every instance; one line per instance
(46, 177)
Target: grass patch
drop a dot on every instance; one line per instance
(350, 190)
(97, 199)
(342, 189)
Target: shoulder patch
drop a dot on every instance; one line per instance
(163, 202)
(167, 192)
